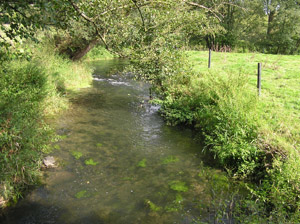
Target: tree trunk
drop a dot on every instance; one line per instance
(81, 52)
(270, 20)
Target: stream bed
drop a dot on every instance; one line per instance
(120, 163)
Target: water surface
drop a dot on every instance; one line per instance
(120, 163)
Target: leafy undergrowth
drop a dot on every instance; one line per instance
(33, 88)
(253, 138)
(98, 53)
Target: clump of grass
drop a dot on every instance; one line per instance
(30, 92)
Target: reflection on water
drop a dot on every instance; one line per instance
(121, 164)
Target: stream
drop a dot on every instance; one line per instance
(120, 163)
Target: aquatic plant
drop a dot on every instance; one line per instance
(57, 147)
(76, 154)
(170, 159)
(90, 162)
(179, 186)
(142, 163)
(153, 207)
(81, 194)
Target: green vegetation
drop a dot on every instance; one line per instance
(142, 163)
(81, 194)
(170, 159)
(99, 145)
(153, 207)
(90, 162)
(33, 88)
(97, 53)
(76, 154)
(179, 186)
(252, 138)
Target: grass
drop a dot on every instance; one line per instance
(33, 88)
(280, 99)
(98, 53)
(253, 138)
(278, 122)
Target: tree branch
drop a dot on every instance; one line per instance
(140, 12)
(208, 9)
(77, 9)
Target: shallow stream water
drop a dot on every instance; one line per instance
(120, 163)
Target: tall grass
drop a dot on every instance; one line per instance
(253, 138)
(30, 91)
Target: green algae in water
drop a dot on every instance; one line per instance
(62, 137)
(81, 194)
(170, 159)
(76, 154)
(153, 207)
(179, 186)
(176, 205)
(99, 145)
(142, 163)
(178, 199)
(90, 162)
(57, 147)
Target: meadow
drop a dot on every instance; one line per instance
(254, 138)
(280, 97)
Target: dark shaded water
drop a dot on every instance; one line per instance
(120, 163)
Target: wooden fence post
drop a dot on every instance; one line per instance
(259, 79)
(209, 58)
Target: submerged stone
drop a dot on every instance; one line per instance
(49, 162)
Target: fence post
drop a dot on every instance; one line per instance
(259, 79)
(209, 58)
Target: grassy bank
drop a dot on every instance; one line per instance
(33, 87)
(253, 138)
(98, 53)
